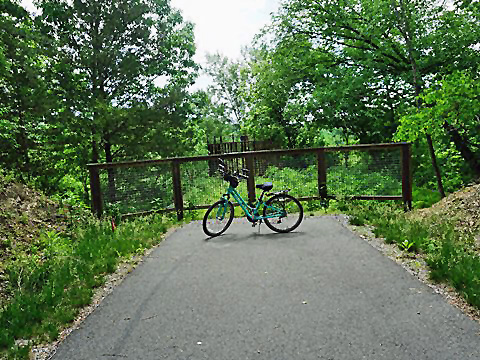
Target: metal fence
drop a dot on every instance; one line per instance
(376, 172)
(242, 144)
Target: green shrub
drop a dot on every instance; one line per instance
(424, 198)
(357, 220)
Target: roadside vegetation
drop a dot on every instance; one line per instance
(322, 73)
(53, 257)
(446, 234)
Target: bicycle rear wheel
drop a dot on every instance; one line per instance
(283, 213)
(218, 218)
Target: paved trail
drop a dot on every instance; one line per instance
(318, 293)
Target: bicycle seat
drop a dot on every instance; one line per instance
(265, 187)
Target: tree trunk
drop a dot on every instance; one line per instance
(86, 192)
(112, 193)
(433, 156)
(278, 116)
(407, 33)
(95, 155)
(461, 144)
(435, 166)
(347, 154)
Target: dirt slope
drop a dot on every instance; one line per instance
(463, 207)
(24, 214)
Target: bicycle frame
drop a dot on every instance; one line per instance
(220, 214)
(252, 212)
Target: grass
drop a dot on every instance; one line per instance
(449, 253)
(51, 281)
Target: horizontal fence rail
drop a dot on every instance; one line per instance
(375, 172)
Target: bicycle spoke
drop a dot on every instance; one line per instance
(283, 213)
(218, 218)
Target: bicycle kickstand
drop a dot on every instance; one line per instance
(259, 222)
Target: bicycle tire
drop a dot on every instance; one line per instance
(290, 206)
(221, 225)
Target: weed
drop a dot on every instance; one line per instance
(406, 245)
(425, 198)
(356, 220)
(448, 252)
(58, 274)
(19, 352)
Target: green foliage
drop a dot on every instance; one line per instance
(357, 66)
(228, 89)
(352, 65)
(90, 81)
(356, 220)
(300, 180)
(6, 177)
(81, 83)
(26, 141)
(56, 277)
(424, 198)
(323, 73)
(281, 81)
(457, 265)
(448, 252)
(207, 119)
(119, 109)
(406, 245)
(451, 117)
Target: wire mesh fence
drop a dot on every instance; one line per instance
(137, 189)
(362, 171)
(202, 187)
(367, 173)
(297, 172)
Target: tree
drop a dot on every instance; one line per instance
(119, 49)
(281, 82)
(403, 40)
(450, 111)
(400, 37)
(228, 88)
(25, 96)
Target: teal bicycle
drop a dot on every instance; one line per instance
(281, 212)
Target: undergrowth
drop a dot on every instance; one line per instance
(48, 283)
(449, 253)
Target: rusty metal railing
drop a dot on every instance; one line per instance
(369, 172)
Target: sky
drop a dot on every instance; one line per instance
(223, 26)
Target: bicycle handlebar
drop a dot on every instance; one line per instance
(227, 176)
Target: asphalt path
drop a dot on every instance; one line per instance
(320, 292)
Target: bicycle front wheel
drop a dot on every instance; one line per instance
(218, 218)
(283, 213)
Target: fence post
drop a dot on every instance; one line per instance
(95, 190)
(407, 176)
(251, 178)
(177, 189)
(322, 174)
